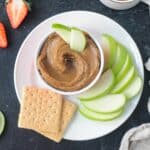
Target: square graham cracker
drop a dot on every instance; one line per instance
(40, 109)
(68, 112)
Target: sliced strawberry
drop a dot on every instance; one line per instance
(3, 37)
(17, 10)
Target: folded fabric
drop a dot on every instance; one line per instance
(137, 138)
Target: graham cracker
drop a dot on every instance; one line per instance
(68, 111)
(40, 109)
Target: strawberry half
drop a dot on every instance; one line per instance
(3, 37)
(16, 10)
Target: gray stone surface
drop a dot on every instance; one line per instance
(136, 21)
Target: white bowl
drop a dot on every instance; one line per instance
(48, 86)
(120, 4)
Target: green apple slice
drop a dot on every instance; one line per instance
(119, 59)
(109, 46)
(78, 40)
(63, 31)
(124, 82)
(102, 87)
(125, 68)
(2, 122)
(133, 88)
(106, 104)
(99, 116)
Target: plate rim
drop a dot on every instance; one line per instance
(81, 12)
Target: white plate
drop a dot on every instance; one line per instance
(24, 72)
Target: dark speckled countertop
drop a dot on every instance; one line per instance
(136, 21)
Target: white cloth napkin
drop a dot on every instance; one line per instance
(137, 138)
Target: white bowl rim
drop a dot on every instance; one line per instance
(124, 1)
(76, 92)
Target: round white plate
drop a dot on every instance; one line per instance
(24, 72)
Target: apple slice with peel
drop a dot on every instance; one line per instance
(120, 86)
(2, 122)
(73, 36)
(119, 59)
(125, 68)
(133, 88)
(63, 31)
(99, 116)
(109, 46)
(78, 40)
(106, 104)
(102, 87)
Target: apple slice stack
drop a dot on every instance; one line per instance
(119, 83)
(71, 35)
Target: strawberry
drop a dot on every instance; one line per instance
(3, 37)
(17, 10)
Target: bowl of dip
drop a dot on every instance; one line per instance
(66, 71)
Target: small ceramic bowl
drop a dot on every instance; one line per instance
(48, 86)
(122, 4)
